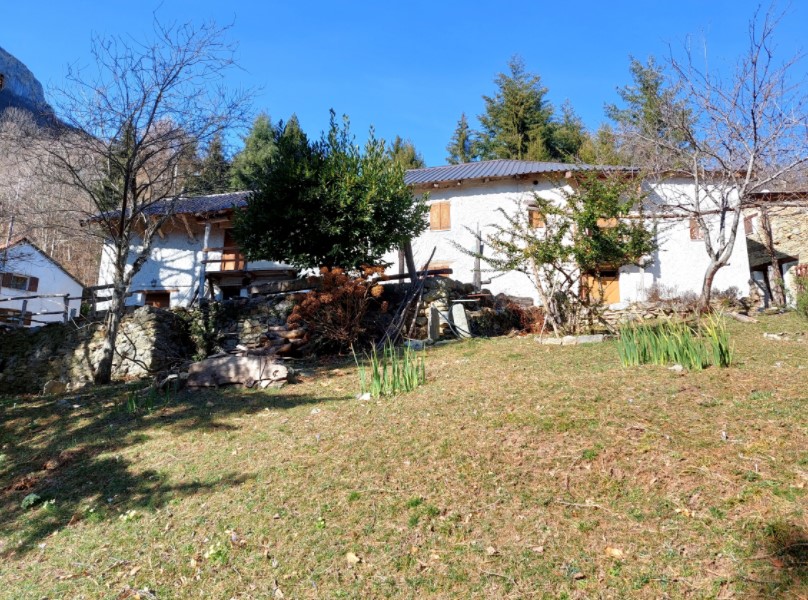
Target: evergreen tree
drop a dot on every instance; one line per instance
(517, 119)
(568, 135)
(214, 175)
(329, 203)
(601, 148)
(651, 119)
(260, 146)
(462, 146)
(403, 153)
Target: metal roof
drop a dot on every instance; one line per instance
(500, 168)
(198, 205)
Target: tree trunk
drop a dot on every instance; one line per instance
(103, 372)
(707, 286)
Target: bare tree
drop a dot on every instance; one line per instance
(738, 135)
(130, 124)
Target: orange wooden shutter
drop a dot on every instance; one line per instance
(695, 230)
(434, 217)
(445, 216)
(535, 219)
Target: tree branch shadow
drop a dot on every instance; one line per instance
(72, 455)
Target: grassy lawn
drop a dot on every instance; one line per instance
(517, 471)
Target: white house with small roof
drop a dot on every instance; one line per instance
(194, 254)
(34, 288)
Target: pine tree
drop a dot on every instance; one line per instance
(568, 135)
(461, 147)
(260, 146)
(213, 176)
(651, 118)
(517, 119)
(403, 153)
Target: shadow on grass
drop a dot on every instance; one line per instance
(50, 450)
(785, 558)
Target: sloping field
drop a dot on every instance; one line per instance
(517, 471)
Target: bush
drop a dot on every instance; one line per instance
(336, 313)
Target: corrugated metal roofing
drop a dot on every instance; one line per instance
(491, 168)
(201, 204)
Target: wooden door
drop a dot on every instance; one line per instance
(608, 292)
(232, 258)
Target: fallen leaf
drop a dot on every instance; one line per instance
(491, 551)
(538, 549)
(352, 558)
(134, 571)
(614, 552)
(579, 575)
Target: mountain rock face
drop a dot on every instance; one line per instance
(20, 89)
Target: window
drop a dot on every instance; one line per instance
(439, 216)
(16, 281)
(535, 219)
(695, 230)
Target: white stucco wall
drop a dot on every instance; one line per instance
(24, 259)
(174, 264)
(679, 263)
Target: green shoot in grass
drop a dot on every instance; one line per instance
(670, 342)
(391, 371)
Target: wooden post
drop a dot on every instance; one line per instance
(410, 261)
(23, 310)
(203, 265)
(67, 307)
(478, 250)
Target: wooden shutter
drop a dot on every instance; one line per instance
(440, 216)
(695, 230)
(33, 284)
(610, 223)
(535, 219)
(7, 279)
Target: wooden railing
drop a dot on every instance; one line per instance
(21, 317)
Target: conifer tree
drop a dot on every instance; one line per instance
(403, 153)
(462, 146)
(260, 146)
(214, 170)
(517, 119)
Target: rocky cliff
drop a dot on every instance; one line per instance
(20, 89)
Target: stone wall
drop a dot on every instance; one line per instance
(150, 340)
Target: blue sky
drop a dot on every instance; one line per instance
(409, 68)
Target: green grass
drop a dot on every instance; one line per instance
(557, 473)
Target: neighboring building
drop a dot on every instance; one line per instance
(43, 291)
(181, 260)
(788, 222)
(467, 197)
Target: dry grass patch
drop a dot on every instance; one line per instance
(518, 470)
